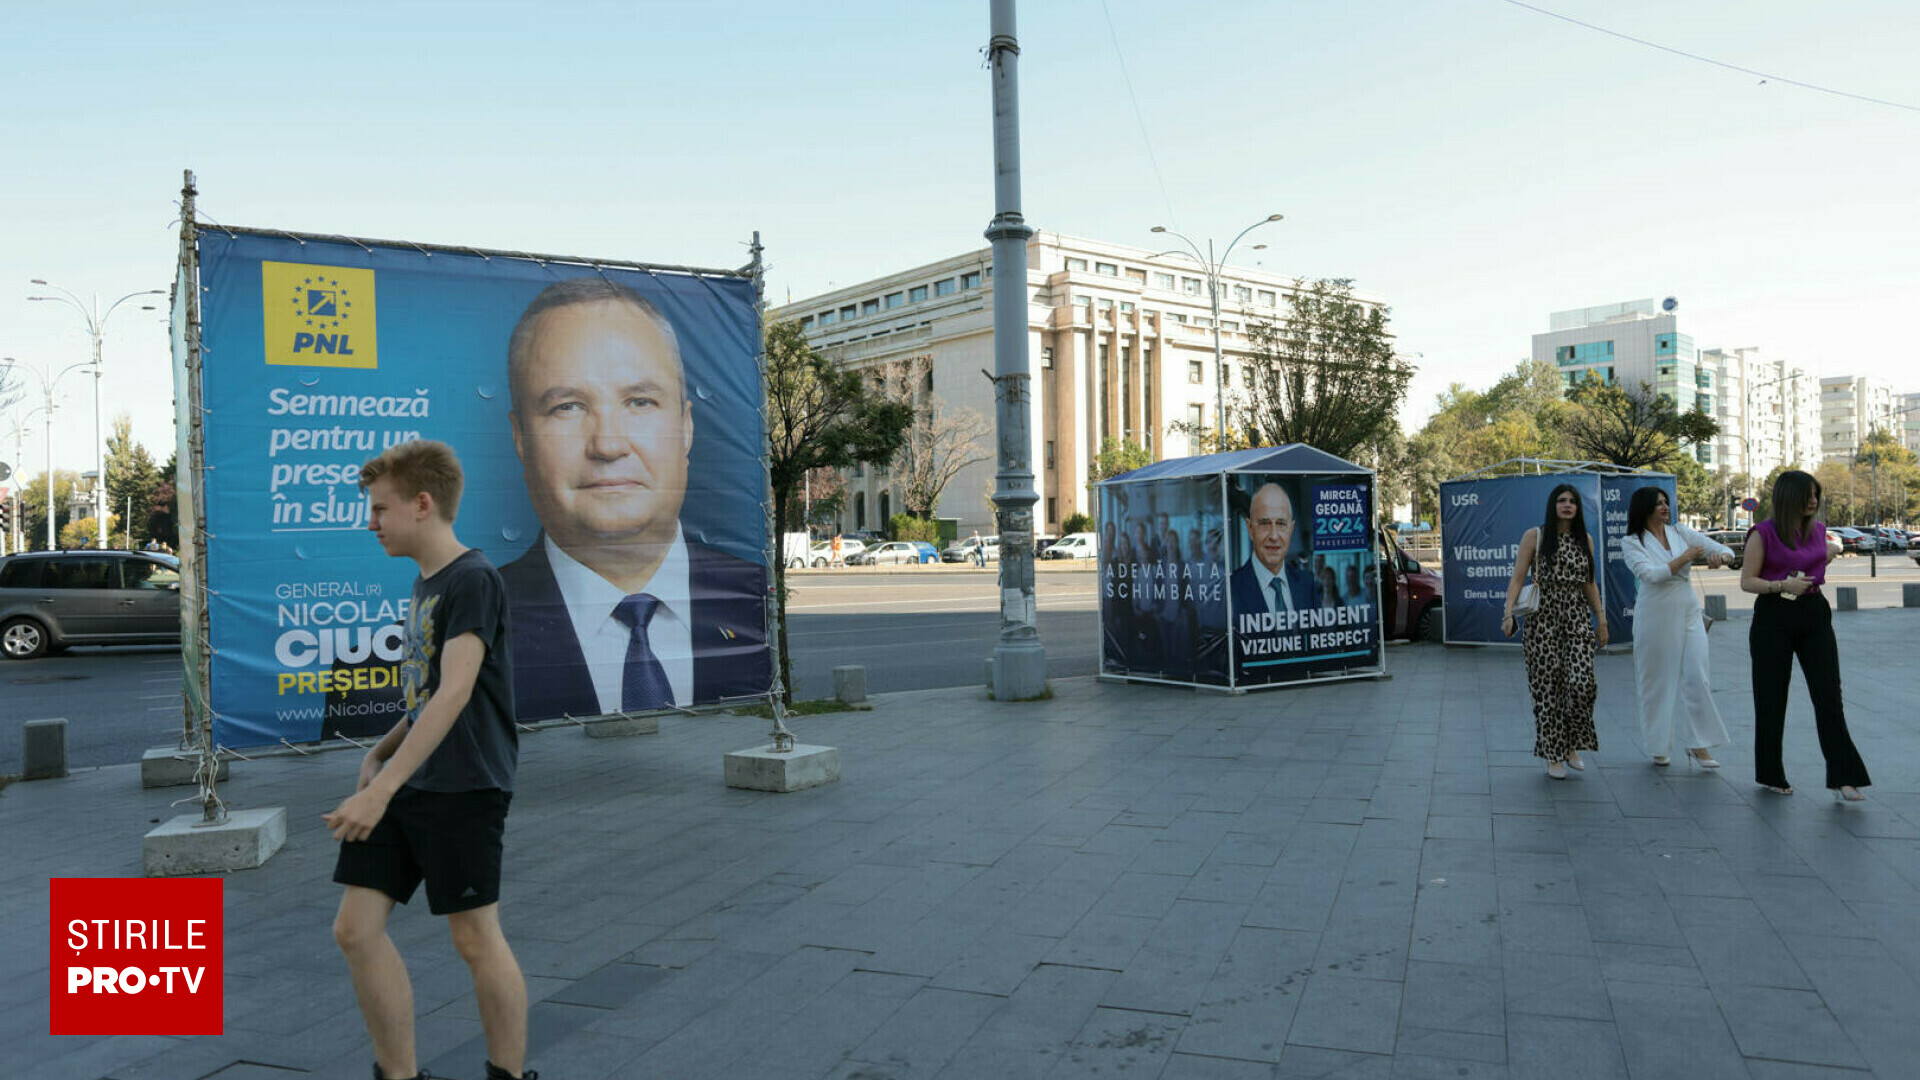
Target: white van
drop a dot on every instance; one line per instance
(1083, 545)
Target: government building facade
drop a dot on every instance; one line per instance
(1119, 344)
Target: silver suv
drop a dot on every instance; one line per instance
(53, 599)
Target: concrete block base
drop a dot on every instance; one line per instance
(248, 838)
(760, 769)
(1717, 606)
(850, 686)
(1018, 674)
(43, 749)
(619, 727)
(1910, 594)
(1846, 598)
(170, 766)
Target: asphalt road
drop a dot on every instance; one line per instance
(920, 630)
(913, 629)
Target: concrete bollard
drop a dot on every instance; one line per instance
(850, 685)
(1717, 607)
(1846, 598)
(1910, 594)
(43, 749)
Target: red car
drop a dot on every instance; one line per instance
(1411, 594)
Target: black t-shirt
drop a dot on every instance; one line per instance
(480, 751)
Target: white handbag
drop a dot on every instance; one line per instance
(1529, 601)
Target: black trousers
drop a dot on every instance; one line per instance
(1782, 630)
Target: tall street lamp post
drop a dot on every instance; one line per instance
(1019, 664)
(1212, 267)
(96, 326)
(47, 386)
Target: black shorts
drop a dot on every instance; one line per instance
(450, 839)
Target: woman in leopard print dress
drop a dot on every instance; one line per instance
(1562, 636)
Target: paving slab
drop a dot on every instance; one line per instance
(1366, 880)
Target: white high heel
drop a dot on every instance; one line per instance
(1698, 755)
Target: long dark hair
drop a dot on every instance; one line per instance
(1550, 528)
(1791, 493)
(1641, 507)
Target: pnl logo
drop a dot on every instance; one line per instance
(319, 316)
(135, 956)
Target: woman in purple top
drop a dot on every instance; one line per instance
(1786, 562)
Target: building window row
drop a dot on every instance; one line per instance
(915, 295)
(1584, 354)
(1192, 286)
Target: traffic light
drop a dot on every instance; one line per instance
(6, 515)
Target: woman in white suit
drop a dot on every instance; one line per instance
(1669, 633)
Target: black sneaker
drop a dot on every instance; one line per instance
(495, 1072)
(378, 1075)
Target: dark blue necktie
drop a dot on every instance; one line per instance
(643, 681)
(1279, 602)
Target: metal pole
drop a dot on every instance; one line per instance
(1019, 662)
(1873, 563)
(1219, 359)
(780, 739)
(51, 545)
(99, 449)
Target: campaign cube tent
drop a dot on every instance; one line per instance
(1185, 601)
(1484, 514)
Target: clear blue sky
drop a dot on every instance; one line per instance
(1477, 164)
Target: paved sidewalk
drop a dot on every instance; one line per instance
(1364, 880)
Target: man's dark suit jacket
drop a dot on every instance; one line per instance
(1247, 594)
(730, 655)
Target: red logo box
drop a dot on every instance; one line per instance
(135, 956)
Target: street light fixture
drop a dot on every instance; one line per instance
(47, 387)
(1212, 267)
(96, 327)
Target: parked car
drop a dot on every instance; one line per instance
(895, 553)
(52, 599)
(962, 550)
(1043, 541)
(1411, 594)
(1733, 538)
(1852, 541)
(1081, 545)
(1891, 539)
(822, 553)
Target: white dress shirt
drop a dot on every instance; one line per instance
(1266, 579)
(591, 602)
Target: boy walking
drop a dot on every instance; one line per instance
(431, 804)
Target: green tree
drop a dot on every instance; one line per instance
(1117, 456)
(1522, 415)
(1325, 375)
(82, 532)
(819, 416)
(1076, 523)
(913, 527)
(33, 506)
(1702, 495)
(131, 474)
(1632, 429)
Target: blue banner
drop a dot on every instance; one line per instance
(1163, 600)
(1481, 523)
(608, 421)
(1621, 587)
(1305, 593)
